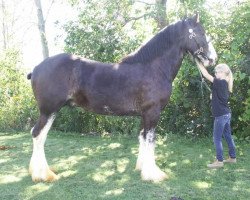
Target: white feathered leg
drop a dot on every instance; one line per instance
(38, 167)
(149, 170)
(141, 153)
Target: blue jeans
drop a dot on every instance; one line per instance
(222, 128)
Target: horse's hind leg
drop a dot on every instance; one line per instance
(39, 168)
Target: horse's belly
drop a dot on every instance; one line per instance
(106, 104)
(116, 110)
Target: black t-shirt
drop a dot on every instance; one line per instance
(220, 96)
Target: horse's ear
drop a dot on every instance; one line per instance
(197, 17)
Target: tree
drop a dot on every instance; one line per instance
(41, 27)
(101, 30)
(8, 20)
(4, 34)
(161, 13)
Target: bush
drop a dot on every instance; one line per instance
(17, 105)
(78, 120)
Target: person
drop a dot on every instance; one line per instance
(222, 85)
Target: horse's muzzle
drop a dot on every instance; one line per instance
(212, 62)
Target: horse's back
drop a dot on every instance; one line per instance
(50, 64)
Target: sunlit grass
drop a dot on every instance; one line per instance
(202, 184)
(115, 192)
(95, 167)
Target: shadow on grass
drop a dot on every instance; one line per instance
(91, 167)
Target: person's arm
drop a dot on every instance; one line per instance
(205, 72)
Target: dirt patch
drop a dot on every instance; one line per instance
(2, 148)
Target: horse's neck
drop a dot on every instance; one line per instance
(176, 66)
(171, 63)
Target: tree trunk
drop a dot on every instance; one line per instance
(161, 13)
(4, 28)
(41, 27)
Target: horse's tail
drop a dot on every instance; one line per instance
(29, 76)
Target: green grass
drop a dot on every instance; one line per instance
(94, 167)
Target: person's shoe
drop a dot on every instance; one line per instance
(216, 164)
(230, 160)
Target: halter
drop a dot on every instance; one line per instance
(192, 36)
(198, 52)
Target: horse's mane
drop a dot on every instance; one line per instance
(156, 46)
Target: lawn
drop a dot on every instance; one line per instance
(95, 167)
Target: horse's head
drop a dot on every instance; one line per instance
(198, 44)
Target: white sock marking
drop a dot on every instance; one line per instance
(38, 162)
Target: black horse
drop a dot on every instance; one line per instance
(140, 85)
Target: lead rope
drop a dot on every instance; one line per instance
(205, 83)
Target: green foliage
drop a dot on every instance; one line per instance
(245, 118)
(16, 100)
(79, 120)
(237, 55)
(100, 31)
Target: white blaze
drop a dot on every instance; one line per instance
(211, 51)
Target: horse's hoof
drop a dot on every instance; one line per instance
(156, 179)
(49, 177)
(155, 175)
(36, 179)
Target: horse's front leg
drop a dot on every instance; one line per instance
(146, 157)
